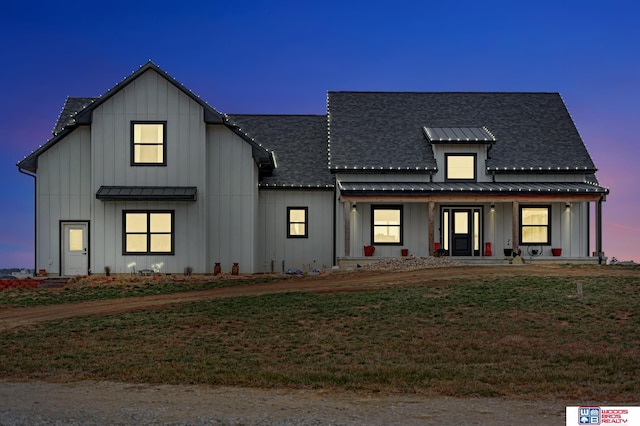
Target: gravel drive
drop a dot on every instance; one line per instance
(108, 403)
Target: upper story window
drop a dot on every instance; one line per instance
(297, 218)
(386, 224)
(148, 143)
(460, 167)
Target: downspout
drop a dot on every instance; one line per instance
(335, 214)
(35, 204)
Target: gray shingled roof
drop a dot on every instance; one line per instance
(374, 130)
(71, 107)
(300, 146)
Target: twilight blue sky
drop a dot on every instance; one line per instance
(282, 57)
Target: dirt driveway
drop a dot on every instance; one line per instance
(93, 403)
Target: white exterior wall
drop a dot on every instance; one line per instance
(232, 201)
(149, 97)
(277, 252)
(63, 192)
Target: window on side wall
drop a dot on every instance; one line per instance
(460, 167)
(148, 232)
(535, 224)
(297, 222)
(386, 224)
(148, 143)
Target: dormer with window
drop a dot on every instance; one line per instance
(460, 152)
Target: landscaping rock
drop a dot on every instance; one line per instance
(411, 262)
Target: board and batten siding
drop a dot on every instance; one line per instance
(149, 97)
(63, 193)
(415, 236)
(232, 201)
(277, 252)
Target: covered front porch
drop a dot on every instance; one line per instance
(543, 223)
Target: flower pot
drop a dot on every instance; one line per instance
(556, 251)
(508, 252)
(405, 252)
(217, 269)
(369, 250)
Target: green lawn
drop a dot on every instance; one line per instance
(516, 338)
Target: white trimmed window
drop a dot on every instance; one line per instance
(148, 232)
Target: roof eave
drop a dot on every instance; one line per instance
(30, 162)
(542, 170)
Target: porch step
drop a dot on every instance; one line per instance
(53, 282)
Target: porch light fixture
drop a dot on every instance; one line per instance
(354, 207)
(493, 207)
(567, 206)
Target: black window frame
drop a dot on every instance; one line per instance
(148, 233)
(133, 144)
(456, 154)
(290, 222)
(548, 225)
(376, 207)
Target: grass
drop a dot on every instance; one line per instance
(83, 290)
(525, 337)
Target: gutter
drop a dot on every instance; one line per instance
(35, 203)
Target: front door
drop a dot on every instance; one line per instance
(461, 230)
(461, 233)
(75, 254)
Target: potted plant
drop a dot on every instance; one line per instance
(556, 251)
(508, 251)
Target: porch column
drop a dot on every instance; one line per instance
(432, 227)
(599, 230)
(515, 224)
(347, 227)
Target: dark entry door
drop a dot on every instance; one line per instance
(461, 235)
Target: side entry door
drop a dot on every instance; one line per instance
(75, 248)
